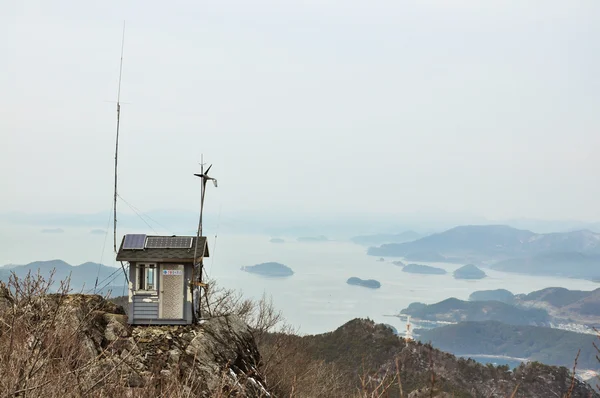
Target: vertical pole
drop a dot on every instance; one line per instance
(117, 141)
(196, 278)
(199, 263)
(115, 193)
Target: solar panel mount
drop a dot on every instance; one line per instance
(169, 242)
(134, 241)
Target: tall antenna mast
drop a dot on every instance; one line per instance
(117, 140)
(198, 262)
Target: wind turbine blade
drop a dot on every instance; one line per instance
(207, 170)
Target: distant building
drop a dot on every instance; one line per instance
(161, 277)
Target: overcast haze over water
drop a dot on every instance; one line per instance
(316, 298)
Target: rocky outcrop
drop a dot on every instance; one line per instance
(218, 357)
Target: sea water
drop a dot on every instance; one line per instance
(316, 298)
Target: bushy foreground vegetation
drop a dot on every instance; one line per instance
(45, 351)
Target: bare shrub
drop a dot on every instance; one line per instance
(47, 348)
(287, 367)
(260, 315)
(39, 352)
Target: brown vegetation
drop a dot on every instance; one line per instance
(63, 345)
(66, 345)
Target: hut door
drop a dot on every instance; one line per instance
(171, 291)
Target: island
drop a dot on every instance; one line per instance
(469, 271)
(398, 263)
(455, 310)
(320, 238)
(277, 240)
(381, 259)
(501, 295)
(271, 269)
(423, 269)
(370, 283)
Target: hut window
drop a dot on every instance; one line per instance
(146, 277)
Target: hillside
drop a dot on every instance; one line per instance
(489, 240)
(563, 305)
(455, 310)
(82, 277)
(568, 305)
(550, 346)
(572, 254)
(568, 264)
(502, 295)
(362, 347)
(556, 296)
(494, 241)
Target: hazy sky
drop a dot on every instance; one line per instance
(490, 108)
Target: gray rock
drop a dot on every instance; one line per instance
(220, 355)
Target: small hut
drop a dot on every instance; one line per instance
(161, 277)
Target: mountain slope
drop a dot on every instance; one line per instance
(550, 346)
(502, 295)
(565, 305)
(455, 310)
(568, 264)
(494, 241)
(82, 277)
(361, 347)
(486, 239)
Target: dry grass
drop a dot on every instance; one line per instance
(42, 355)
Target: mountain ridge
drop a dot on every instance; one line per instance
(504, 248)
(82, 276)
(551, 346)
(361, 345)
(494, 240)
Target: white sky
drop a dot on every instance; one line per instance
(488, 107)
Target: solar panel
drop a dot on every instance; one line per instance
(169, 242)
(134, 241)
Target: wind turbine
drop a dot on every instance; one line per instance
(198, 263)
